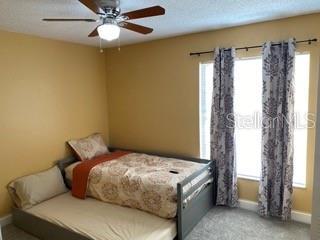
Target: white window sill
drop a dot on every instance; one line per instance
(249, 177)
(298, 185)
(257, 179)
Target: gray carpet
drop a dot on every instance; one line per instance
(221, 224)
(229, 224)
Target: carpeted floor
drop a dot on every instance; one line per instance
(221, 224)
(229, 224)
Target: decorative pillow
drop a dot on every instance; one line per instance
(33, 189)
(89, 147)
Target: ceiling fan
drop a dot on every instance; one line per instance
(111, 18)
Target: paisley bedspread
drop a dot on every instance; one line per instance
(141, 181)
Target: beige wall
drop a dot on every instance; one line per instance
(50, 91)
(152, 90)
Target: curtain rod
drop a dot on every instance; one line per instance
(309, 41)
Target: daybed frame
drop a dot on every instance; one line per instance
(187, 216)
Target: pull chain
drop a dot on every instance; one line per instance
(101, 49)
(119, 43)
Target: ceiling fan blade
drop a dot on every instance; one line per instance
(68, 20)
(136, 28)
(92, 5)
(94, 33)
(146, 12)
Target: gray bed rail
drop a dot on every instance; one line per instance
(188, 215)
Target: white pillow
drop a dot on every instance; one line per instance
(33, 189)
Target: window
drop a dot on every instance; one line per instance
(248, 114)
(206, 74)
(247, 108)
(301, 109)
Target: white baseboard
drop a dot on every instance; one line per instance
(295, 215)
(5, 220)
(301, 217)
(248, 205)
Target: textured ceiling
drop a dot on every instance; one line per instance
(182, 17)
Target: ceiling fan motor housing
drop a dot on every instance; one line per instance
(108, 3)
(112, 12)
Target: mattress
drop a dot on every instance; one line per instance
(103, 221)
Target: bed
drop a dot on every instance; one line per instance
(195, 196)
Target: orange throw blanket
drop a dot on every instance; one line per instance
(81, 172)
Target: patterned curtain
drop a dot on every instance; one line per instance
(222, 127)
(277, 130)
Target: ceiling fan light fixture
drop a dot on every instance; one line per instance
(109, 31)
